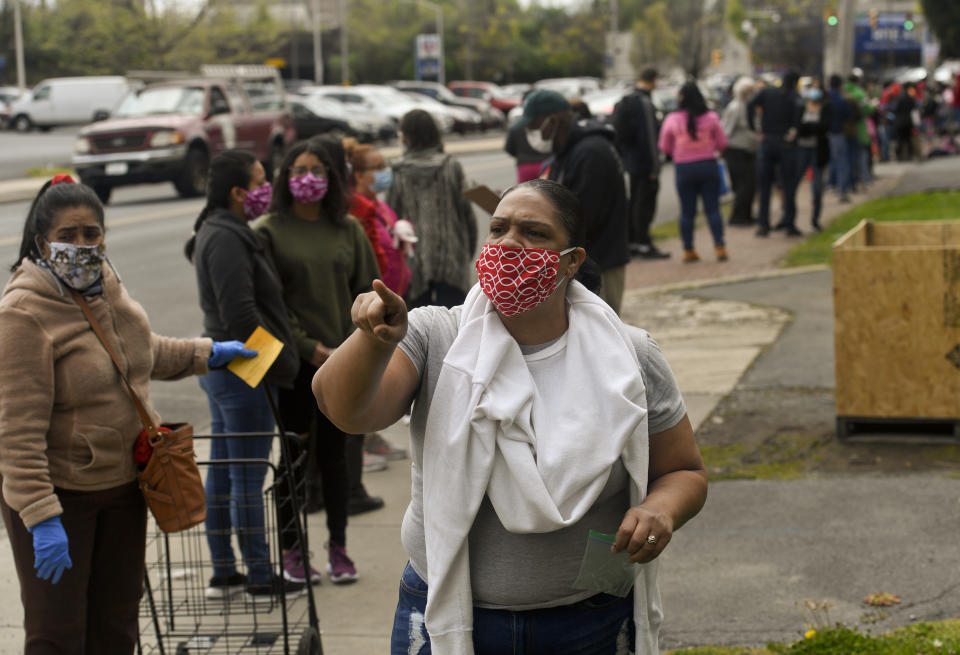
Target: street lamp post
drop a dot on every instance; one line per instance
(317, 45)
(18, 45)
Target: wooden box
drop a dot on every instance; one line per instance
(896, 303)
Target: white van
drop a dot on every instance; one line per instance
(67, 101)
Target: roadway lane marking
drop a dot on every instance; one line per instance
(120, 222)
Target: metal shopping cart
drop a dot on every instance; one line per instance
(178, 617)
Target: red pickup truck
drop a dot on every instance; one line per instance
(168, 131)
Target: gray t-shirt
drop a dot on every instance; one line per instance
(523, 571)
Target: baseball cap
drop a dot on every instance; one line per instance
(541, 103)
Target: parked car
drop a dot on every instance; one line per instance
(167, 132)
(8, 94)
(570, 87)
(380, 126)
(68, 101)
(488, 92)
(383, 99)
(464, 120)
(491, 117)
(314, 115)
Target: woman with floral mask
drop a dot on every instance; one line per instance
(324, 260)
(239, 291)
(537, 417)
(74, 514)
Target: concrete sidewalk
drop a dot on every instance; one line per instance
(735, 574)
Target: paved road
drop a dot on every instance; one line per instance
(20, 152)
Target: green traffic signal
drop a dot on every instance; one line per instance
(908, 25)
(833, 20)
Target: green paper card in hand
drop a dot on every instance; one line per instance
(603, 571)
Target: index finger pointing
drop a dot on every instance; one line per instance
(390, 299)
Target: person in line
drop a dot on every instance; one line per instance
(427, 189)
(73, 510)
(635, 123)
(586, 162)
(500, 514)
(858, 137)
(239, 291)
(529, 161)
(904, 123)
(781, 109)
(359, 501)
(693, 136)
(741, 153)
(324, 260)
(392, 244)
(840, 164)
(813, 148)
(370, 176)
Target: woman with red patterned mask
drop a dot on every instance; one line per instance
(538, 418)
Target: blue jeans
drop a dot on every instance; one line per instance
(235, 491)
(699, 179)
(599, 625)
(807, 158)
(840, 162)
(775, 153)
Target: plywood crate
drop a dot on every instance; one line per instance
(896, 300)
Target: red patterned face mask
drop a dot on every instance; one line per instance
(518, 279)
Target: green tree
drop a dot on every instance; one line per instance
(654, 39)
(943, 17)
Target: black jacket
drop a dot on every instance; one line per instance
(239, 290)
(635, 122)
(589, 166)
(782, 110)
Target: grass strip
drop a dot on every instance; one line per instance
(930, 206)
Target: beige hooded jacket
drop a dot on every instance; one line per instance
(66, 418)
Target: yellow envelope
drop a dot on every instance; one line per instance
(253, 369)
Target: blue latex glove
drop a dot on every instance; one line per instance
(224, 352)
(50, 552)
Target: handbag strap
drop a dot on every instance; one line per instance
(95, 324)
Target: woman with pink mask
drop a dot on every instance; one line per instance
(324, 260)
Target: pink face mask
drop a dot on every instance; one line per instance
(308, 188)
(518, 279)
(257, 201)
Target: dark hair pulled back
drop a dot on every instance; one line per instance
(569, 212)
(231, 168)
(420, 130)
(49, 201)
(691, 101)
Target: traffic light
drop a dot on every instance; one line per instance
(908, 23)
(874, 19)
(716, 56)
(831, 17)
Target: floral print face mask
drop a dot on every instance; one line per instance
(77, 266)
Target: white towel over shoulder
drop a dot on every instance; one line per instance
(543, 461)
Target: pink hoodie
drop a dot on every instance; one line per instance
(675, 140)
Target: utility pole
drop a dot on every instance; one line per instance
(317, 44)
(18, 45)
(344, 44)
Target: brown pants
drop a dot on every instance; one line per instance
(93, 609)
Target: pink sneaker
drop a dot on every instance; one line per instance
(293, 568)
(340, 567)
